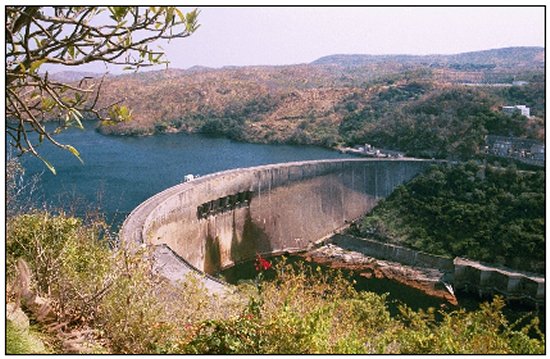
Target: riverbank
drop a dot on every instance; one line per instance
(269, 134)
(434, 275)
(427, 280)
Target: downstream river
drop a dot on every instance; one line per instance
(121, 172)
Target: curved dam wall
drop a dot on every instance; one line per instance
(217, 220)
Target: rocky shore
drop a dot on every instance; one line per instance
(428, 280)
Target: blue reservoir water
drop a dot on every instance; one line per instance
(121, 172)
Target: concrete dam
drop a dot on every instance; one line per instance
(220, 219)
(215, 221)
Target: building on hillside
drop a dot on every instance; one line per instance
(521, 109)
(538, 152)
(528, 151)
(519, 83)
(370, 151)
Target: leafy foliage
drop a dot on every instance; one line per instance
(106, 290)
(72, 36)
(69, 261)
(308, 313)
(23, 341)
(442, 124)
(302, 310)
(483, 331)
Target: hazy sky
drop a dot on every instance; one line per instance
(277, 36)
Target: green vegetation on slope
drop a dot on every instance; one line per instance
(23, 341)
(113, 297)
(427, 122)
(485, 213)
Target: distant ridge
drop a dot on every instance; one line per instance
(198, 68)
(508, 56)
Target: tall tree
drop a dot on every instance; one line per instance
(73, 36)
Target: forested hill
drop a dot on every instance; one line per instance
(484, 213)
(423, 110)
(504, 57)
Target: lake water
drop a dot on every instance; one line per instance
(121, 172)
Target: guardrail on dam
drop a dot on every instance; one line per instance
(217, 220)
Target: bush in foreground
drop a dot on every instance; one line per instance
(311, 313)
(111, 293)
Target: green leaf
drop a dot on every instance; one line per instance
(36, 64)
(169, 14)
(191, 24)
(48, 164)
(70, 50)
(77, 116)
(23, 68)
(74, 152)
(118, 12)
(180, 14)
(47, 104)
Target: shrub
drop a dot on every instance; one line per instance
(69, 262)
(304, 312)
(130, 312)
(144, 314)
(484, 331)
(22, 341)
(299, 312)
(39, 239)
(113, 291)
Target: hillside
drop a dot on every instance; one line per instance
(383, 102)
(491, 214)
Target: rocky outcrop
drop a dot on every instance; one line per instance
(427, 280)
